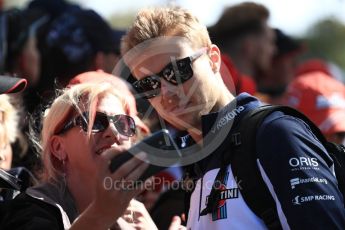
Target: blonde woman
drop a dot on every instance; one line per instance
(82, 130)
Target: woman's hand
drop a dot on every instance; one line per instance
(138, 217)
(176, 224)
(113, 192)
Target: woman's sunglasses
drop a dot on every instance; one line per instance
(124, 124)
(176, 72)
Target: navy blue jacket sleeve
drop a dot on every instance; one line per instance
(304, 187)
(27, 213)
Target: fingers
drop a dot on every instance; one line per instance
(183, 217)
(175, 223)
(136, 209)
(137, 172)
(124, 224)
(112, 152)
(132, 169)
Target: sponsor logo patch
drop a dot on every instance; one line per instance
(297, 181)
(227, 118)
(299, 200)
(224, 194)
(303, 163)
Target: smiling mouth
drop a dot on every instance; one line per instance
(101, 150)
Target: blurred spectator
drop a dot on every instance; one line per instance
(8, 130)
(80, 41)
(235, 82)
(272, 83)
(8, 117)
(53, 8)
(242, 33)
(314, 64)
(20, 55)
(322, 99)
(8, 134)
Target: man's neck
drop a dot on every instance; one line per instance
(225, 98)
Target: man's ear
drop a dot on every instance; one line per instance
(215, 58)
(57, 147)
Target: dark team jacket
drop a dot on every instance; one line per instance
(289, 158)
(46, 206)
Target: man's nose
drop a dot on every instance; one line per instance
(168, 90)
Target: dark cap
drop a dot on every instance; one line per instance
(81, 33)
(101, 35)
(286, 44)
(11, 84)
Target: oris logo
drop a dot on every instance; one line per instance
(303, 161)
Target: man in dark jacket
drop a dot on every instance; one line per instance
(177, 68)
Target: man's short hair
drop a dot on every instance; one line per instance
(238, 21)
(169, 21)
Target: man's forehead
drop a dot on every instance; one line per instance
(162, 48)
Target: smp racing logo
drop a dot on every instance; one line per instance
(224, 194)
(299, 200)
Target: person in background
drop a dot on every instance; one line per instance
(8, 133)
(20, 54)
(322, 99)
(273, 83)
(79, 41)
(243, 34)
(20, 57)
(321, 65)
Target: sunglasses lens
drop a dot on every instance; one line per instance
(149, 87)
(101, 122)
(178, 72)
(82, 121)
(185, 71)
(125, 125)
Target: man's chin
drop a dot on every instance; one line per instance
(182, 122)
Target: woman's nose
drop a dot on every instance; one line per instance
(113, 134)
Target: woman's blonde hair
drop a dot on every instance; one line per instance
(9, 123)
(169, 21)
(72, 102)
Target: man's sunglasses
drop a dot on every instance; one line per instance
(124, 124)
(176, 72)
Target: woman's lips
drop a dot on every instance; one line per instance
(101, 150)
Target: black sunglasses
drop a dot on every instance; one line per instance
(124, 124)
(176, 72)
